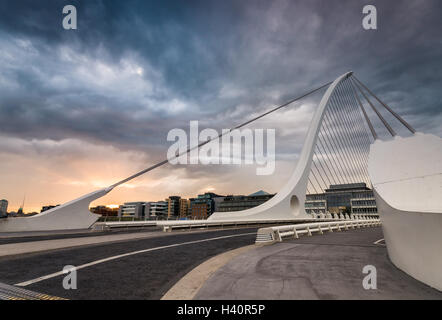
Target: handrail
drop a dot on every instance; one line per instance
(277, 234)
(181, 224)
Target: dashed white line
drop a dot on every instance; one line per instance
(59, 273)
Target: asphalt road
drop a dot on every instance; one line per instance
(146, 275)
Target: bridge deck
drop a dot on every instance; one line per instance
(319, 267)
(325, 266)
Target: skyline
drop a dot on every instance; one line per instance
(114, 205)
(82, 109)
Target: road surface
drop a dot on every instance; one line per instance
(148, 274)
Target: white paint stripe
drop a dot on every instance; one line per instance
(59, 273)
(378, 241)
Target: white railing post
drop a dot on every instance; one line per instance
(278, 236)
(295, 233)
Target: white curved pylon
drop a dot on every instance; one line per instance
(289, 202)
(72, 215)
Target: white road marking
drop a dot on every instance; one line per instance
(378, 242)
(59, 273)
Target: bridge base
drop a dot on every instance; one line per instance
(406, 174)
(414, 242)
(69, 216)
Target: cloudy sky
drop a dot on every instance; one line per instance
(82, 109)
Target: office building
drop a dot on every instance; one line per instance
(3, 208)
(240, 202)
(132, 209)
(354, 198)
(203, 206)
(173, 206)
(157, 209)
(184, 207)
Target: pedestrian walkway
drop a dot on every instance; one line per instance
(328, 266)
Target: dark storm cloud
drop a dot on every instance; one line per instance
(135, 69)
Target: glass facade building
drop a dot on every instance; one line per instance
(353, 198)
(238, 203)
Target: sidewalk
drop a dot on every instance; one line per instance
(325, 266)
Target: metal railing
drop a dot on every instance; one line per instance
(123, 224)
(277, 234)
(206, 224)
(170, 225)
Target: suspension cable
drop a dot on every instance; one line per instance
(405, 123)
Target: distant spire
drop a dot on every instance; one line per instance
(22, 204)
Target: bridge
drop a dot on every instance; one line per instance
(353, 137)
